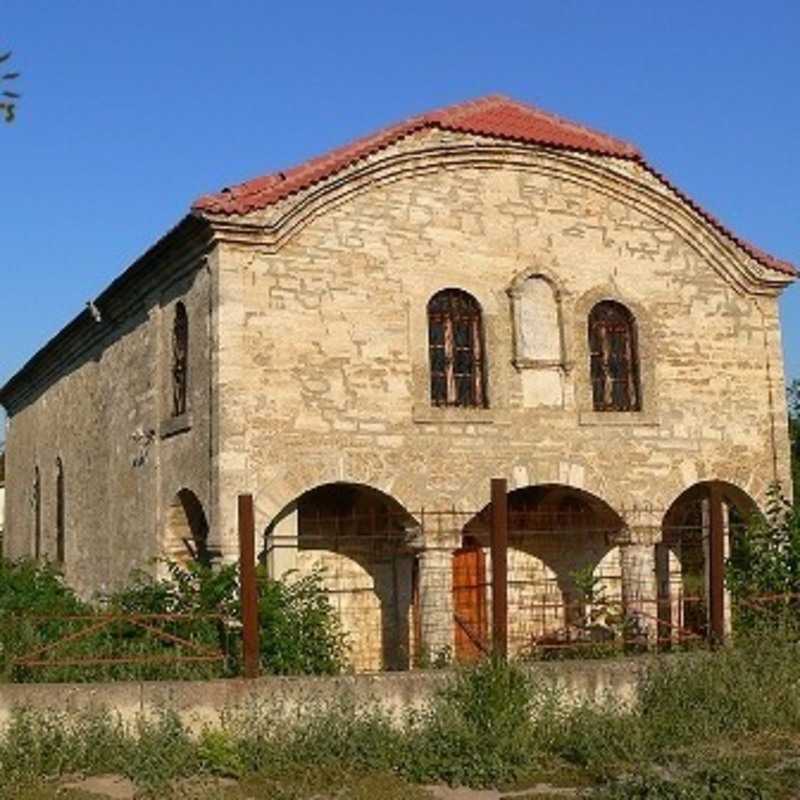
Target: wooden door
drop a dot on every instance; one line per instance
(469, 603)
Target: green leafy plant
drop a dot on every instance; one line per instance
(301, 632)
(763, 570)
(479, 729)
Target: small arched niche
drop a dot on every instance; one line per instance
(186, 537)
(538, 341)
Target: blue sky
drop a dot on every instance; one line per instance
(133, 109)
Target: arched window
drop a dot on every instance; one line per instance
(37, 515)
(180, 360)
(455, 343)
(60, 517)
(614, 358)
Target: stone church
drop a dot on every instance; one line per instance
(363, 341)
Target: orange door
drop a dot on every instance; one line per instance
(469, 603)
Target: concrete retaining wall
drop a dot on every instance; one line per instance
(201, 703)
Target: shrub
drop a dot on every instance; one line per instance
(764, 563)
(29, 590)
(479, 730)
(301, 632)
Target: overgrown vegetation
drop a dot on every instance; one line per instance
(763, 571)
(300, 631)
(722, 724)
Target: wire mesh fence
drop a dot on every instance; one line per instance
(555, 576)
(418, 589)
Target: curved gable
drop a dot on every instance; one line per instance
(492, 118)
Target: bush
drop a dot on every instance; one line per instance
(29, 590)
(301, 633)
(300, 629)
(479, 730)
(764, 564)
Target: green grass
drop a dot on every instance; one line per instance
(722, 725)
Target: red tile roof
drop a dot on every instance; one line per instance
(497, 116)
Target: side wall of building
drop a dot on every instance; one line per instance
(107, 419)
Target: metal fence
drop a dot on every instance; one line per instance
(108, 646)
(574, 580)
(555, 580)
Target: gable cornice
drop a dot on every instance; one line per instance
(631, 183)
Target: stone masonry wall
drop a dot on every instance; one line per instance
(107, 419)
(323, 361)
(323, 339)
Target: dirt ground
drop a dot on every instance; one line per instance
(372, 787)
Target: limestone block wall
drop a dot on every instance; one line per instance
(107, 418)
(323, 361)
(542, 596)
(373, 601)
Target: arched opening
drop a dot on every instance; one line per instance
(186, 537)
(456, 350)
(364, 543)
(683, 565)
(564, 566)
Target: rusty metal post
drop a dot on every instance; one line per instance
(499, 568)
(249, 589)
(716, 566)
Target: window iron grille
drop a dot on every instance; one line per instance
(614, 358)
(455, 343)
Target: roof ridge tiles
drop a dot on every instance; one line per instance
(494, 115)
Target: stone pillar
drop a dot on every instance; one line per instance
(640, 586)
(726, 543)
(282, 543)
(670, 589)
(435, 589)
(726, 597)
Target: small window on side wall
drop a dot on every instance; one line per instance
(61, 532)
(180, 360)
(37, 514)
(614, 358)
(455, 346)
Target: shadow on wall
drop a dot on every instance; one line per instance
(364, 542)
(186, 537)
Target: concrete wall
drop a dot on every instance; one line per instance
(108, 419)
(284, 699)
